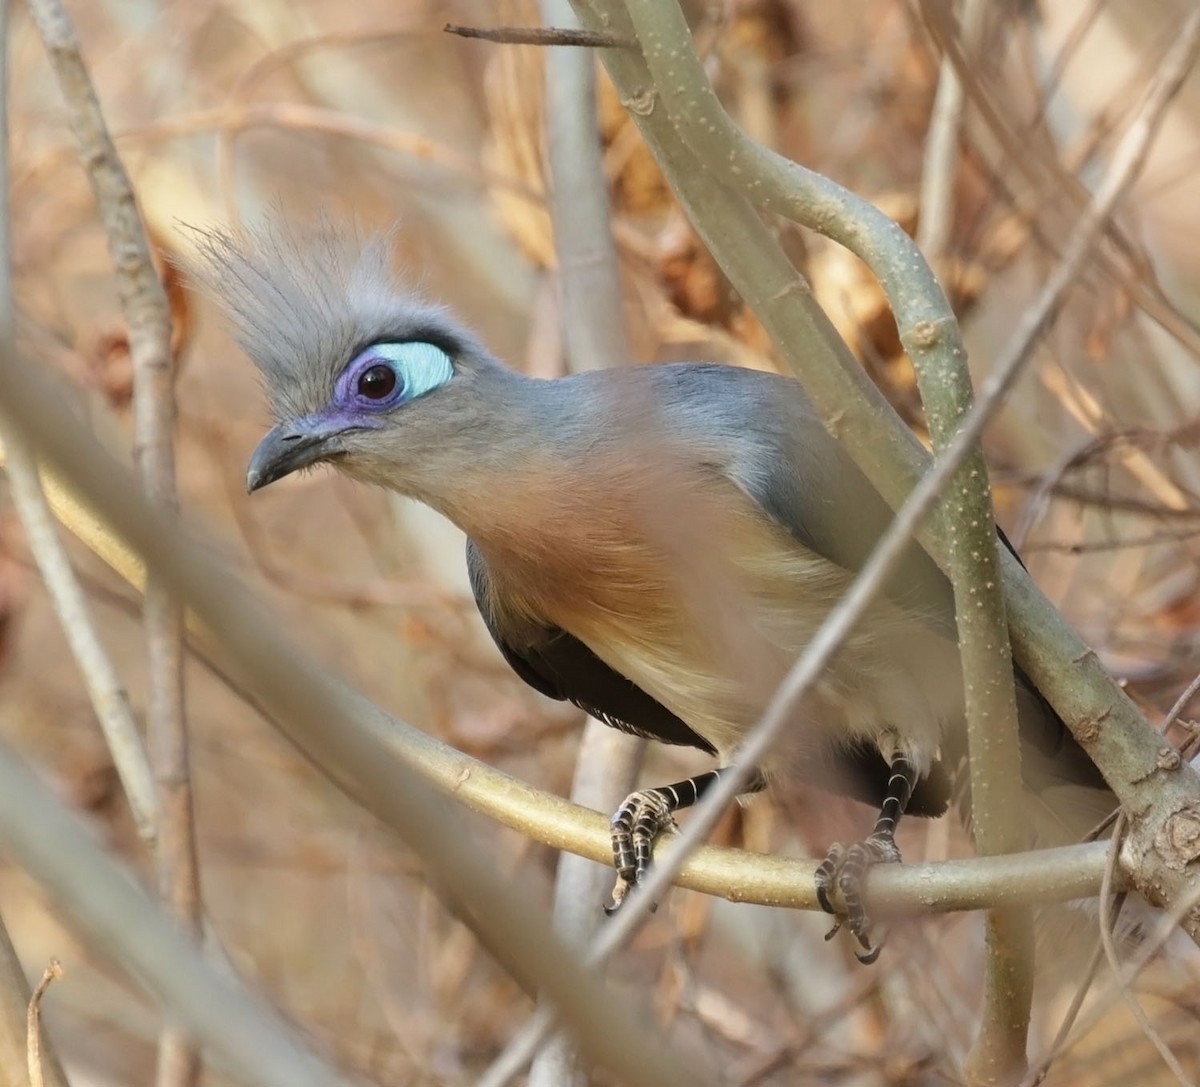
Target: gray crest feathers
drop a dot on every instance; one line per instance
(305, 300)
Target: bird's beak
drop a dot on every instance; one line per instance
(290, 446)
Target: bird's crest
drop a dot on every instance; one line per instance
(304, 301)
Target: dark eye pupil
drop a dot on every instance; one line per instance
(377, 382)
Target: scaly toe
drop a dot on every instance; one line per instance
(619, 892)
(844, 870)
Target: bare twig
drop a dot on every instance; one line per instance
(930, 336)
(1049, 650)
(35, 1059)
(316, 714)
(1036, 1072)
(592, 321)
(17, 1039)
(148, 315)
(1127, 543)
(1044, 179)
(1046, 876)
(1181, 704)
(1148, 948)
(107, 695)
(605, 770)
(20, 1033)
(1125, 987)
(543, 35)
(940, 166)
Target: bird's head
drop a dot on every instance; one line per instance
(360, 372)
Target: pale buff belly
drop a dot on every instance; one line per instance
(717, 653)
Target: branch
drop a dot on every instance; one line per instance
(148, 316)
(930, 335)
(47, 839)
(1099, 713)
(326, 722)
(16, 1036)
(591, 316)
(940, 166)
(1006, 155)
(1049, 875)
(37, 1062)
(543, 35)
(17, 1039)
(107, 695)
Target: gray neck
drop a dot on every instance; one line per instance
(523, 455)
(478, 449)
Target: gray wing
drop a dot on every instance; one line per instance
(561, 667)
(806, 482)
(760, 431)
(777, 451)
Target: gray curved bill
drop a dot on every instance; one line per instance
(287, 448)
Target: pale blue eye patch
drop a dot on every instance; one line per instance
(422, 367)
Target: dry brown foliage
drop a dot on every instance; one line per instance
(369, 110)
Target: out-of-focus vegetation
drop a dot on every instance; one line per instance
(369, 111)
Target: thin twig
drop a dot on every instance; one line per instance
(543, 35)
(1181, 704)
(940, 167)
(592, 321)
(105, 691)
(16, 1036)
(147, 313)
(1149, 947)
(20, 1033)
(35, 1059)
(315, 712)
(1054, 875)
(1107, 924)
(1048, 179)
(1092, 547)
(1037, 1072)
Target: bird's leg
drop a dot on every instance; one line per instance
(845, 866)
(644, 815)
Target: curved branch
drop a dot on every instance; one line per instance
(1054, 875)
(1146, 780)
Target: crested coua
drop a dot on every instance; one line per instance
(655, 544)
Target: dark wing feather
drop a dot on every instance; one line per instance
(858, 770)
(561, 667)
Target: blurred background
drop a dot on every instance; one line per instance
(369, 111)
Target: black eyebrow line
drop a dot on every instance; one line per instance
(440, 338)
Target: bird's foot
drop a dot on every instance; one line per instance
(844, 871)
(640, 819)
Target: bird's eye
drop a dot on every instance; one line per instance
(377, 382)
(382, 377)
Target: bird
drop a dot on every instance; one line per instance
(653, 543)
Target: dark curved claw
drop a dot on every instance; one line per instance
(644, 815)
(640, 819)
(844, 871)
